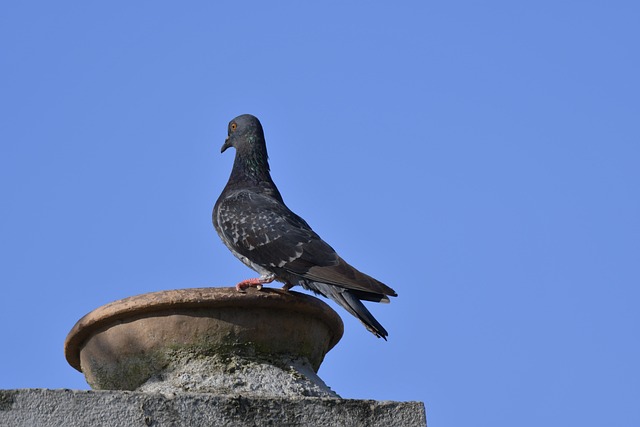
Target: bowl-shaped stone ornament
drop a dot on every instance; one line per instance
(261, 342)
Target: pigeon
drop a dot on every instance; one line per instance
(253, 221)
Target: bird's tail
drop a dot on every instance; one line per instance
(351, 303)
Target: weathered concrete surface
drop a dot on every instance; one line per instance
(68, 408)
(229, 374)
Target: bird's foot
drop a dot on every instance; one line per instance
(256, 282)
(287, 286)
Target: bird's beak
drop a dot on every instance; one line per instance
(226, 145)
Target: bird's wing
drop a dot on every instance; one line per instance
(269, 234)
(265, 230)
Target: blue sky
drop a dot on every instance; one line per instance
(482, 158)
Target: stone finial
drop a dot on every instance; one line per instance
(217, 340)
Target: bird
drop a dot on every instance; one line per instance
(256, 225)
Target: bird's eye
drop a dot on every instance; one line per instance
(233, 126)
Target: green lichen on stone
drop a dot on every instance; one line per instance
(229, 352)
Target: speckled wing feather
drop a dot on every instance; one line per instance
(265, 231)
(260, 228)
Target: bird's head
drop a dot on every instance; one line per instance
(244, 134)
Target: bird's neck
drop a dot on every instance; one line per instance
(251, 165)
(251, 169)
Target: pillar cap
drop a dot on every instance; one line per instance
(141, 330)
